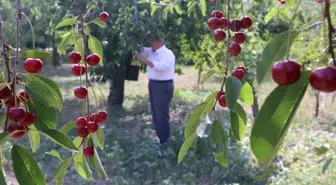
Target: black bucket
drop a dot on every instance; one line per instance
(132, 73)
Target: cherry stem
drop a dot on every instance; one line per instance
(32, 28)
(291, 27)
(18, 17)
(85, 41)
(330, 30)
(227, 54)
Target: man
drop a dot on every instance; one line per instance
(160, 63)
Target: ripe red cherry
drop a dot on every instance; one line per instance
(75, 57)
(219, 94)
(102, 116)
(33, 65)
(213, 23)
(17, 114)
(82, 131)
(223, 22)
(213, 1)
(81, 122)
(238, 73)
(16, 127)
(29, 119)
(94, 117)
(23, 95)
(246, 22)
(219, 35)
(217, 13)
(222, 101)
(235, 25)
(78, 70)
(81, 92)
(283, 1)
(242, 68)
(103, 16)
(92, 127)
(286, 72)
(5, 92)
(240, 37)
(93, 59)
(323, 79)
(88, 151)
(234, 49)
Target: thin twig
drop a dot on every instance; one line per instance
(291, 27)
(81, 19)
(227, 54)
(330, 30)
(18, 18)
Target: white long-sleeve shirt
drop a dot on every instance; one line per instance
(164, 63)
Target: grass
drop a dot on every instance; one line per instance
(130, 156)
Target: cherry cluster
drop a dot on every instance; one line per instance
(218, 23)
(287, 72)
(88, 123)
(238, 72)
(18, 116)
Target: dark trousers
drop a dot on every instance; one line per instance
(160, 95)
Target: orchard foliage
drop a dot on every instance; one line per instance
(32, 111)
(293, 72)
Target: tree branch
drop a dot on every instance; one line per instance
(330, 30)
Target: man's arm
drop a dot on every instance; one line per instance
(164, 64)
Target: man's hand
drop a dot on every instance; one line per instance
(144, 60)
(140, 57)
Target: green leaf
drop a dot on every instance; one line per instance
(246, 94)
(67, 127)
(97, 165)
(42, 55)
(322, 149)
(99, 23)
(44, 91)
(34, 138)
(61, 171)
(271, 14)
(232, 90)
(66, 22)
(45, 116)
(2, 118)
(96, 46)
(59, 138)
(274, 51)
(210, 101)
(79, 46)
(218, 136)
(3, 179)
(274, 119)
(82, 166)
(203, 7)
(54, 153)
(207, 76)
(326, 165)
(178, 9)
(238, 122)
(99, 138)
(4, 137)
(185, 147)
(25, 167)
(77, 141)
(2, 78)
(194, 120)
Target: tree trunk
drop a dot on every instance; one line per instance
(199, 78)
(317, 106)
(55, 56)
(255, 106)
(117, 82)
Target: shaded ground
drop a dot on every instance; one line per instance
(130, 155)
